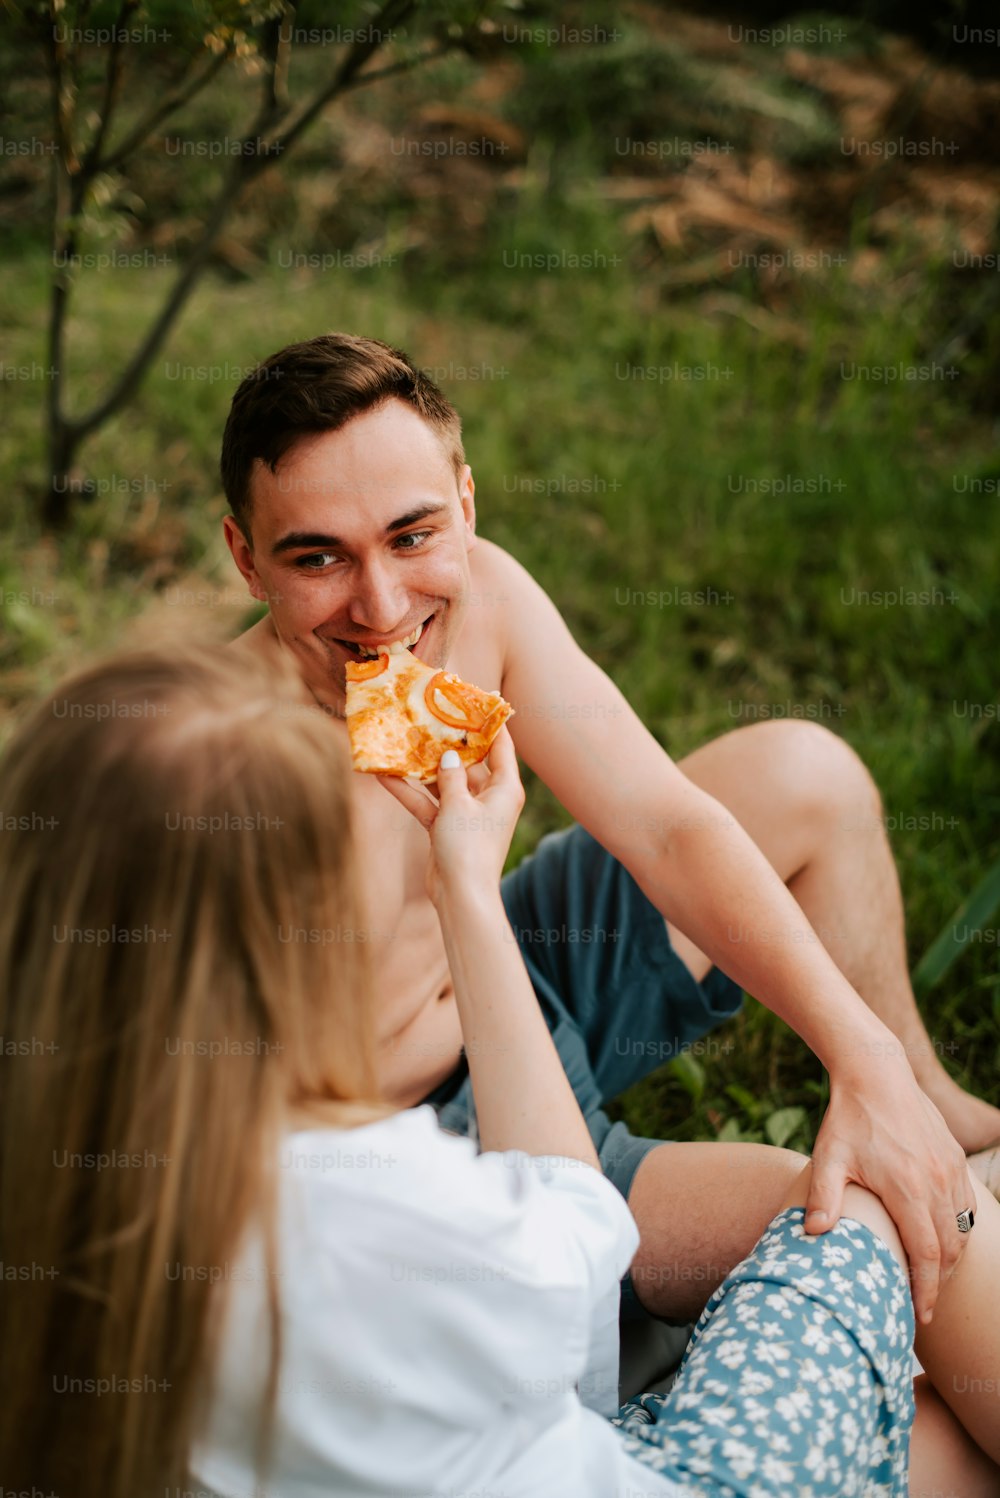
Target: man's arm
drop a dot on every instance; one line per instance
(702, 871)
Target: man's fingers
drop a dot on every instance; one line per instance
(826, 1195)
(415, 798)
(951, 1242)
(923, 1250)
(937, 1248)
(967, 1194)
(928, 1229)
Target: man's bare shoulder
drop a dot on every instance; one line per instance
(501, 585)
(259, 641)
(524, 613)
(261, 650)
(498, 589)
(497, 574)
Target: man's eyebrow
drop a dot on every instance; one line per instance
(422, 512)
(300, 540)
(296, 540)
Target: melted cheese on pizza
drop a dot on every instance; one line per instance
(402, 715)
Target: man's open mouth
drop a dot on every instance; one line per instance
(367, 652)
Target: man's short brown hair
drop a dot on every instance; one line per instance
(318, 386)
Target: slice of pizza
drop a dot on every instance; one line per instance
(402, 715)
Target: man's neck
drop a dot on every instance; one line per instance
(329, 709)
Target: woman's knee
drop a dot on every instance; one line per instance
(859, 1204)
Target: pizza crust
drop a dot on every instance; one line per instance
(403, 714)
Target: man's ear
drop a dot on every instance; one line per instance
(467, 496)
(242, 554)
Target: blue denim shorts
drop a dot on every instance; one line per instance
(618, 1000)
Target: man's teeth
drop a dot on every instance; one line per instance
(368, 654)
(412, 639)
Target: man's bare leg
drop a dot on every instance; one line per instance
(700, 1208)
(812, 808)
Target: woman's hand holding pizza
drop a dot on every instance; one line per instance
(471, 821)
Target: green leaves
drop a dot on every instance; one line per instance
(785, 1127)
(966, 927)
(781, 1127)
(690, 1074)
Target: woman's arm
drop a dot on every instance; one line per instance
(523, 1097)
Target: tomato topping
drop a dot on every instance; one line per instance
(440, 686)
(363, 670)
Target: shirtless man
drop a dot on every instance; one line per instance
(354, 519)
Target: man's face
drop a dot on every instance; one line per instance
(360, 538)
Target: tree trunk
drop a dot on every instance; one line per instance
(74, 171)
(63, 442)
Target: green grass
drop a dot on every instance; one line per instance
(608, 489)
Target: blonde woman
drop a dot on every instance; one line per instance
(229, 1267)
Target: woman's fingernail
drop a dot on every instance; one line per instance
(450, 760)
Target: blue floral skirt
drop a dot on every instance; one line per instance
(798, 1379)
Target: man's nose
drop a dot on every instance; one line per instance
(378, 602)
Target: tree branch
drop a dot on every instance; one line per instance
(171, 102)
(182, 288)
(247, 165)
(276, 47)
(405, 66)
(393, 13)
(112, 85)
(62, 111)
(65, 211)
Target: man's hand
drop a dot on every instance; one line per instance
(881, 1131)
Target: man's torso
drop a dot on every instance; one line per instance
(419, 1034)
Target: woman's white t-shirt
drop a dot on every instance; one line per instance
(440, 1310)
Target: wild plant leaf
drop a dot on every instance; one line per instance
(964, 928)
(690, 1074)
(783, 1124)
(744, 1097)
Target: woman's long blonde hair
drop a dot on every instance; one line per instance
(181, 956)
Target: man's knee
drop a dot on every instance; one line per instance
(821, 776)
(685, 1191)
(700, 1209)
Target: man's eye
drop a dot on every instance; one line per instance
(416, 537)
(316, 560)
